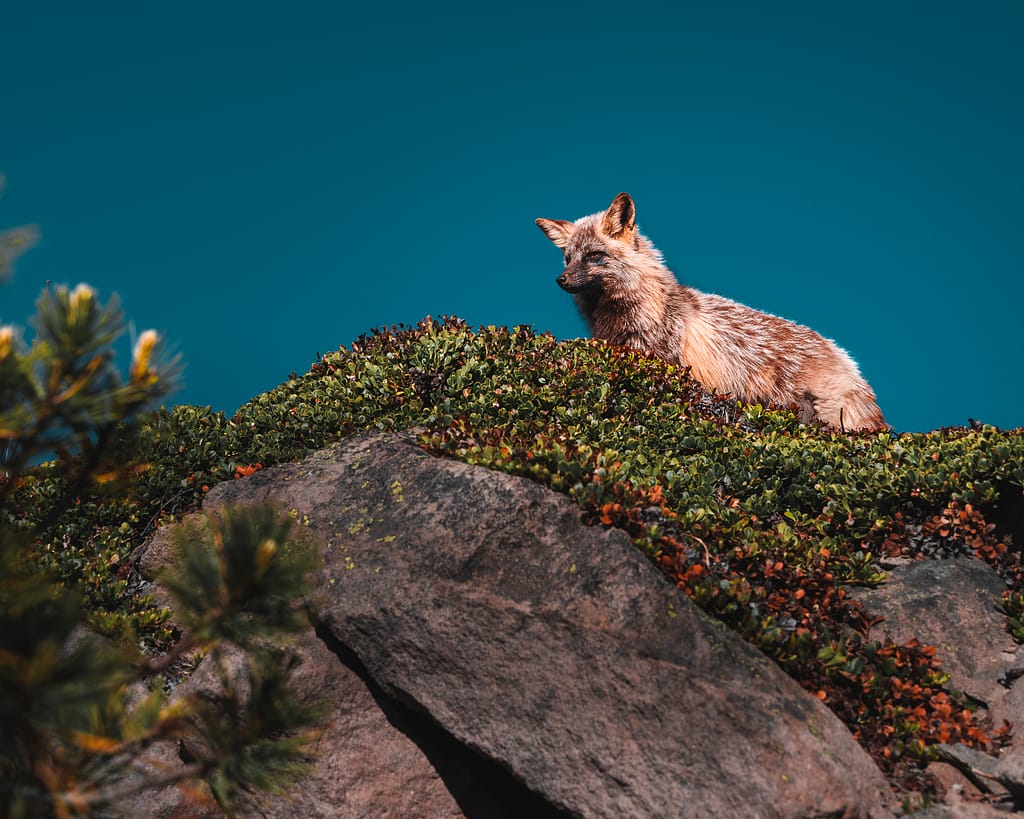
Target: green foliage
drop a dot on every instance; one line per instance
(764, 521)
(240, 577)
(50, 674)
(248, 740)
(65, 393)
(71, 745)
(63, 690)
(1013, 607)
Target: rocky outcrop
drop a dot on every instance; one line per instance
(485, 654)
(970, 634)
(950, 604)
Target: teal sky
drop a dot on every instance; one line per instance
(264, 182)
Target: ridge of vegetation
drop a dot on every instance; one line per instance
(762, 520)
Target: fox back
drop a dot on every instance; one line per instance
(630, 298)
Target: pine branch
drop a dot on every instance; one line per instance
(114, 794)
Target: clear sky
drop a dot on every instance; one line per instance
(263, 182)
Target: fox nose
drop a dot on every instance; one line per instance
(562, 280)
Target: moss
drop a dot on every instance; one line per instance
(762, 520)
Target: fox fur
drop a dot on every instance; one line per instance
(630, 298)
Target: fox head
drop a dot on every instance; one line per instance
(596, 248)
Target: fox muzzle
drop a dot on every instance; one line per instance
(575, 281)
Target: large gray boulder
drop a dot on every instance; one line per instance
(543, 651)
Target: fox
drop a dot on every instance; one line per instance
(630, 298)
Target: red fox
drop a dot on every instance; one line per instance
(630, 298)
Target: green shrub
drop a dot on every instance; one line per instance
(71, 746)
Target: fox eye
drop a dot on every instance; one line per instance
(596, 257)
(568, 259)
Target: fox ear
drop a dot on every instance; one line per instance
(557, 230)
(619, 220)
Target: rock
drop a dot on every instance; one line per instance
(363, 761)
(159, 553)
(1010, 708)
(959, 808)
(372, 759)
(1010, 772)
(556, 651)
(953, 784)
(978, 767)
(950, 604)
(175, 801)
